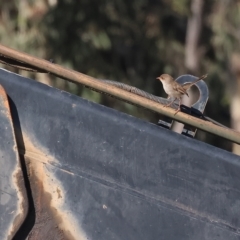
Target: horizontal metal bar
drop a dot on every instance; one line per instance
(97, 85)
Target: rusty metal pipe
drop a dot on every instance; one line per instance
(97, 85)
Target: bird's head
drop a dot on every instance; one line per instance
(165, 78)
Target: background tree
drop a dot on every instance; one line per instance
(133, 42)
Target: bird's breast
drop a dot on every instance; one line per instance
(171, 91)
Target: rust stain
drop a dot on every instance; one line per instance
(35, 153)
(46, 227)
(53, 220)
(3, 95)
(59, 193)
(22, 210)
(17, 180)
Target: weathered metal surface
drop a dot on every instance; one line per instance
(13, 202)
(53, 219)
(96, 173)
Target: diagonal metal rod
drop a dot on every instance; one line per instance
(129, 97)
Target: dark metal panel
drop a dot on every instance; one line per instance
(13, 202)
(107, 211)
(112, 176)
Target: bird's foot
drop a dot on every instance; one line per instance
(178, 110)
(169, 104)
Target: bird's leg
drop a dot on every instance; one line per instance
(170, 103)
(178, 107)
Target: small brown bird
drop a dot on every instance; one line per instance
(174, 89)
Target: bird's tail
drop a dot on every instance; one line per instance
(188, 85)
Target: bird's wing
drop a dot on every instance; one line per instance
(180, 89)
(188, 85)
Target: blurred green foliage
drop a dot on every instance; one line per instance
(128, 41)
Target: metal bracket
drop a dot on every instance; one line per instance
(197, 108)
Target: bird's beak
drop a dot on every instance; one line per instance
(158, 78)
